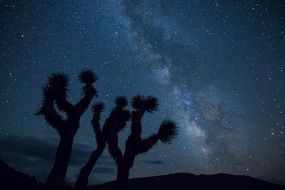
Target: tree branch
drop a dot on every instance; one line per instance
(146, 144)
(63, 104)
(113, 147)
(82, 105)
(49, 112)
(100, 139)
(136, 127)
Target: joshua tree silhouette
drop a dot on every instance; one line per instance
(119, 116)
(135, 144)
(54, 99)
(85, 171)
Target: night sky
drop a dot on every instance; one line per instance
(217, 68)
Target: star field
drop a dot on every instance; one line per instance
(217, 68)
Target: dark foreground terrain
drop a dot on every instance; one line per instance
(184, 181)
(10, 179)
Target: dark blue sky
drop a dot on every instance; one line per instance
(217, 68)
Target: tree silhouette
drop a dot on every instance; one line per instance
(55, 100)
(119, 116)
(135, 144)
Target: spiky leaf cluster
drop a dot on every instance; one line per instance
(138, 102)
(148, 104)
(87, 77)
(167, 131)
(58, 81)
(151, 104)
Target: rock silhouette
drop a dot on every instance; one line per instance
(55, 100)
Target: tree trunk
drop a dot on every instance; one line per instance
(82, 179)
(123, 175)
(56, 177)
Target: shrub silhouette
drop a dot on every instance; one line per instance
(119, 116)
(135, 144)
(54, 100)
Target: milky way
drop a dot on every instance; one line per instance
(216, 67)
(203, 120)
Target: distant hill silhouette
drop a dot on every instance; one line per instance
(185, 181)
(10, 179)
